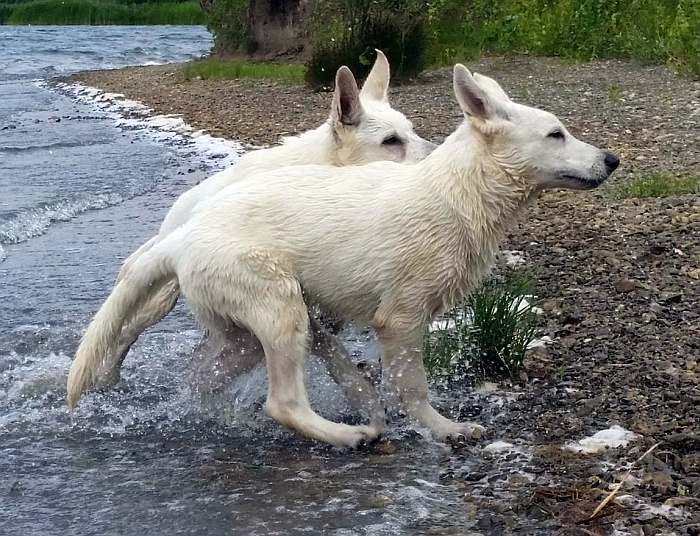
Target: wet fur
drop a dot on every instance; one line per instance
(385, 243)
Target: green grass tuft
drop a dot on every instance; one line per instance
(658, 185)
(95, 12)
(615, 93)
(486, 336)
(212, 68)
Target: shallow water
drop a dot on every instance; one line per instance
(80, 188)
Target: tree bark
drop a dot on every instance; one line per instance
(277, 27)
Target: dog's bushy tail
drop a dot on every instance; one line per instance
(98, 346)
(131, 259)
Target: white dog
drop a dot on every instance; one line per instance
(362, 127)
(386, 243)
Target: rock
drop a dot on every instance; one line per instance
(573, 315)
(671, 297)
(626, 285)
(379, 501)
(660, 480)
(384, 447)
(688, 502)
(656, 308)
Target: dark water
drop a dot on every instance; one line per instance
(80, 188)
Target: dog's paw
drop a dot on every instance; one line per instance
(357, 436)
(457, 432)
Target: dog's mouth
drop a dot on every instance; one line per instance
(581, 183)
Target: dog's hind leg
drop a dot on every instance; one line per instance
(223, 356)
(358, 390)
(402, 369)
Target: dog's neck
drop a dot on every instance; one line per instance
(484, 194)
(483, 199)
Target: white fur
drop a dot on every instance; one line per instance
(357, 126)
(386, 243)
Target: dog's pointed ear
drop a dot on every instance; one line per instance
(471, 98)
(346, 108)
(490, 86)
(376, 86)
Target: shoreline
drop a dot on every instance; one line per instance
(614, 277)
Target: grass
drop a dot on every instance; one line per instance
(212, 68)
(615, 93)
(96, 12)
(658, 185)
(486, 336)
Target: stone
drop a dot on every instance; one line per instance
(626, 285)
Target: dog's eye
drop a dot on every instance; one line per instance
(392, 140)
(556, 134)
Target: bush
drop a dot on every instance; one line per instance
(5, 12)
(346, 32)
(228, 22)
(486, 336)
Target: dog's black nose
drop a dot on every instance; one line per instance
(611, 162)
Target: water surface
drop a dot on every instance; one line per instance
(78, 192)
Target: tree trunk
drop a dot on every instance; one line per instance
(277, 27)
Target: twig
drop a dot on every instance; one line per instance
(617, 488)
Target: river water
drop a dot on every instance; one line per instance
(80, 188)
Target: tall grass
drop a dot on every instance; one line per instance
(213, 68)
(102, 12)
(657, 31)
(486, 336)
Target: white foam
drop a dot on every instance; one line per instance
(35, 222)
(614, 437)
(464, 315)
(499, 447)
(217, 153)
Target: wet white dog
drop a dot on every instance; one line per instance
(385, 243)
(362, 127)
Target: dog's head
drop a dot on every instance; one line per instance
(528, 142)
(366, 127)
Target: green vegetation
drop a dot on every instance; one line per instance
(615, 93)
(228, 23)
(101, 12)
(220, 69)
(658, 185)
(656, 31)
(414, 33)
(486, 336)
(347, 32)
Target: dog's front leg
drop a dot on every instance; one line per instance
(403, 371)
